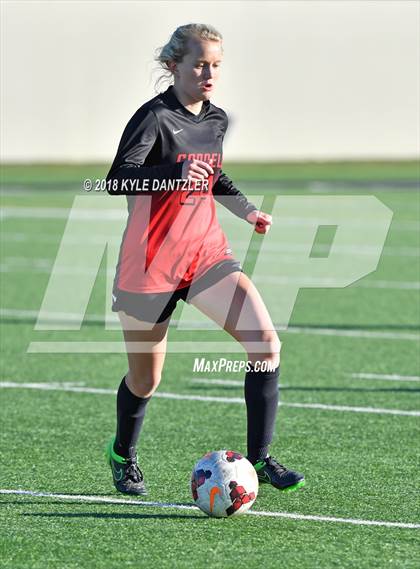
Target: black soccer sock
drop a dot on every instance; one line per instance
(261, 397)
(130, 414)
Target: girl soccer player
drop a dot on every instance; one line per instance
(174, 248)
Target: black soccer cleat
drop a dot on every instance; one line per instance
(127, 476)
(271, 472)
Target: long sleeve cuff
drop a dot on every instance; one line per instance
(231, 198)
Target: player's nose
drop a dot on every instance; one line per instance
(207, 72)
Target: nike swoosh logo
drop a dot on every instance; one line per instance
(264, 477)
(118, 473)
(114, 298)
(176, 131)
(213, 493)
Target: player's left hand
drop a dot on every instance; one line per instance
(262, 221)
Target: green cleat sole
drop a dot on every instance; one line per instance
(294, 487)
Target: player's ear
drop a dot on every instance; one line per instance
(173, 67)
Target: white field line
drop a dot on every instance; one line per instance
(239, 383)
(45, 265)
(55, 239)
(276, 248)
(189, 507)
(205, 398)
(343, 187)
(209, 381)
(353, 333)
(310, 282)
(296, 248)
(226, 382)
(113, 214)
(20, 314)
(61, 213)
(385, 376)
(179, 347)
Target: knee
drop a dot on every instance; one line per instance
(143, 383)
(268, 347)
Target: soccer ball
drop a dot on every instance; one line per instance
(224, 483)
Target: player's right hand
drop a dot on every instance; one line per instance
(196, 170)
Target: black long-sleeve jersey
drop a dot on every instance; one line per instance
(172, 233)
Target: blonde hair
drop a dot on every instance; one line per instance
(177, 47)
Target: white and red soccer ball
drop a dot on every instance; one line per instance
(224, 483)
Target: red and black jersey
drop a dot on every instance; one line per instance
(172, 235)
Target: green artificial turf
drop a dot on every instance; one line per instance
(358, 464)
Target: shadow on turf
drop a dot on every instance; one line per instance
(97, 515)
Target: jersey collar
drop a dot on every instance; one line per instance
(174, 103)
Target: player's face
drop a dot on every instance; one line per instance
(199, 69)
